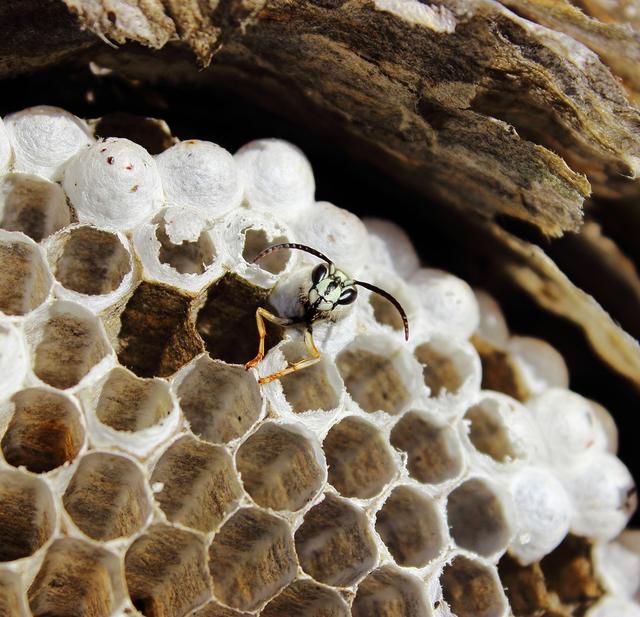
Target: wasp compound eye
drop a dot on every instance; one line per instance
(348, 296)
(319, 272)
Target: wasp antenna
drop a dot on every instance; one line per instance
(290, 245)
(388, 296)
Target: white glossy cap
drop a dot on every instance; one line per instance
(277, 177)
(44, 138)
(201, 175)
(113, 183)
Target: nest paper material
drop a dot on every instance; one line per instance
(143, 470)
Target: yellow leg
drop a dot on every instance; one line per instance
(261, 315)
(314, 356)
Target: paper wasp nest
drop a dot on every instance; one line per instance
(144, 471)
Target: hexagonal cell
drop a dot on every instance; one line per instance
(221, 402)
(88, 260)
(280, 467)
(227, 320)
(106, 497)
(433, 450)
(200, 485)
(335, 544)
(166, 572)
(68, 341)
(360, 463)
(186, 257)
(129, 403)
(76, 579)
(500, 372)
(27, 515)
(32, 205)
(472, 589)
(45, 431)
(488, 433)
(412, 527)
(256, 240)
(12, 595)
(389, 592)
(384, 311)
(247, 233)
(178, 248)
(373, 379)
(24, 278)
(570, 573)
(157, 335)
(317, 387)
(479, 517)
(251, 558)
(447, 365)
(304, 598)
(525, 588)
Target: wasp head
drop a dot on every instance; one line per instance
(330, 288)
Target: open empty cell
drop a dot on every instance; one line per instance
(24, 278)
(157, 336)
(447, 364)
(227, 320)
(316, 387)
(27, 515)
(70, 343)
(388, 592)
(256, 240)
(166, 572)
(433, 450)
(570, 572)
(478, 517)
(359, 460)
(472, 589)
(130, 403)
(335, 544)
(412, 527)
(199, 484)
(106, 497)
(76, 579)
(488, 433)
(32, 205)
(525, 587)
(251, 559)
(44, 432)
(221, 402)
(179, 248)
(500, 371)
(90, 261)
(385, 312)
(304, 598)
(186, 257)
(280, 467)
(373, 380)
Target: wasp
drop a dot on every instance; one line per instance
(326, 293)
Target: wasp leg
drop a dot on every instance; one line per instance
(261, 315)
(314, 356)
